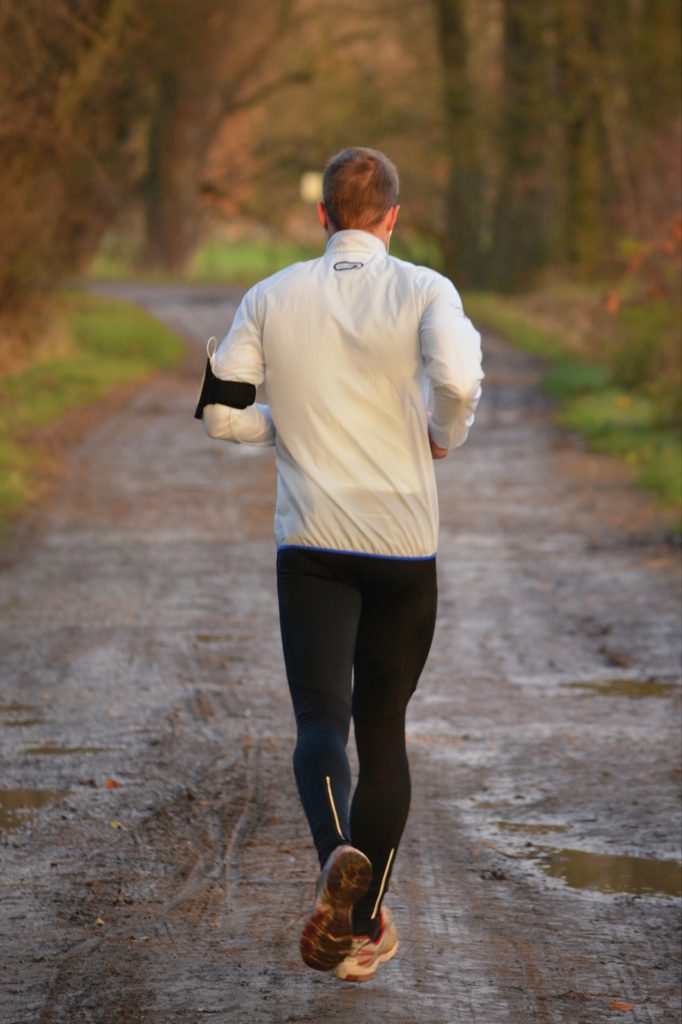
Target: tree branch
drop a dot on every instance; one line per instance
(299, 77)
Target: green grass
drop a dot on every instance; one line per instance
(246, 261)
(498, 313)
(112, 343)
(425, 252)
(636, 425)
(216, 261)
(628, 425)
(569, 377)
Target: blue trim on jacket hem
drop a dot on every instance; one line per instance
(363, 554)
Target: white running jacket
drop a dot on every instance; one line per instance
(361, 355)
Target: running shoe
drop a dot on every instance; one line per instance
(365, 955)
(328, 933)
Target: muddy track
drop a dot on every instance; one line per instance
(140, 643)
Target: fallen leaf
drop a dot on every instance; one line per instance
(615, 1005)
(113, 784)
(115, 824)
(491, 846)
(612, 304)
(99, 921)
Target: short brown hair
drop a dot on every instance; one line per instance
(359, 187)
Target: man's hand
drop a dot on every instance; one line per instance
(436, 452)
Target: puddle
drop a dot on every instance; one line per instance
(522, 826)
(607, 872)
(25, 721)
(627, 688)
(11, 708)
(16, 804)
(50, 751)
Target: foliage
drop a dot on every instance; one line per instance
(110, 103)
(645, 310)
(618, 423)
(522, 330)
(644, 326)
(113, 343)
(527, 135)
(618, 403)
(562, 129)
(68, 107)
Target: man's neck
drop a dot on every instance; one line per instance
(380, 232)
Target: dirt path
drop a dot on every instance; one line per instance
(139, 621)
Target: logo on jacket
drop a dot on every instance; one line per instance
(347, 265)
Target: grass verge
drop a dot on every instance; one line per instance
(616, 420)
(112, 343)
(216, 261)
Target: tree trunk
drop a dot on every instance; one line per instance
(176, 152)
(461, 239)
(583, 157)
(525, 234)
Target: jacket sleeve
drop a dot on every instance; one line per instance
(451, 355)
(239, 357)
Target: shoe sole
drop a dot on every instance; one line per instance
(327, 935)
(368, 975)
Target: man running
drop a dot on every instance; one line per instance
(372, 371)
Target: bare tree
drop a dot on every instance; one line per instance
(67, 117)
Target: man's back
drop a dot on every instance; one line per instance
(345, 343)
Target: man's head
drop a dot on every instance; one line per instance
(360, 189)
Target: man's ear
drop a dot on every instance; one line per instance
(322, 215)
(392, 217)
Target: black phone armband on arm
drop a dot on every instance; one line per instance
(223, 392)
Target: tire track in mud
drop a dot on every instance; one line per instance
(196, 838)
(246, 822)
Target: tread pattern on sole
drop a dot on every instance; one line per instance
(327, 935)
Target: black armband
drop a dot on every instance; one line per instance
(223, 392)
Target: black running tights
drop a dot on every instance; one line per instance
(356, 632)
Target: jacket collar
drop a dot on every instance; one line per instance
(354, 240)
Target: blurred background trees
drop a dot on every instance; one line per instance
(111, 104)
(68, 116)
(528, 135)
